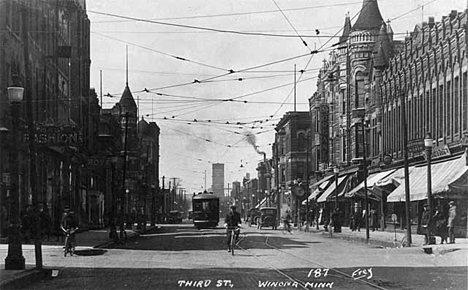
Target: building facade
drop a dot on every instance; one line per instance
(293, 133)
(372, 90)
(46, 44)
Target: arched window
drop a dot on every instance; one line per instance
(301, 142)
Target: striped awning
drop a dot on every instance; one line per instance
(320, 188)
(371, 181)
(327, 178)
(447, 176)
(331, 189)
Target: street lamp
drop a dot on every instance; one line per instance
(428, 142)
(14, 259)
(361, 114)
(336, 170)
(307, 183)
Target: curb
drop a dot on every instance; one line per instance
(384, 244)
(137, 235)
(25, 278)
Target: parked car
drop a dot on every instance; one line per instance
(175, 217)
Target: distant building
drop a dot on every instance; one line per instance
(218, 179)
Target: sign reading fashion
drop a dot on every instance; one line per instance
(57, 136)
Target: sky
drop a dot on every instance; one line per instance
(217, 75)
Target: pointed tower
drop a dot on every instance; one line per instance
(346, 29)
(370, 17)
(127, 102)
(383, 49)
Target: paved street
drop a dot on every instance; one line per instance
(179, 256)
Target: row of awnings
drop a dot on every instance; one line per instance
(449, 180)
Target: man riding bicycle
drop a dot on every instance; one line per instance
(69, 226)
(232, 221)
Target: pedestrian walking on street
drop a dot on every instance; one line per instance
(27, 224)
(373, 219)
(336, 221)
(425, 223)
(440, 225)
(46, 221)
(451, 221)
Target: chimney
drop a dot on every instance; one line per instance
(431, 22)
(453, 14)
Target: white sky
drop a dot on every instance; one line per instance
(152, 52)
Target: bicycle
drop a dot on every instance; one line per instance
(232, 238)
(403, 243)
(69, 247)
(287, 225)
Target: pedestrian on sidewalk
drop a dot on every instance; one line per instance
(46, 221)
(440, 225)
(336, 221)
(373, 219)
(425, 223)
(451, 221)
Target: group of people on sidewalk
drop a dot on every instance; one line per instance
(437, 224)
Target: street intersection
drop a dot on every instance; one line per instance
(181, 257)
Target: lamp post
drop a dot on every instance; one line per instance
(336, 170)
(364, 165)
(14, 259)
(428, 142)
(307, 183)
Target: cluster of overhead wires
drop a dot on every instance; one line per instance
(179, 113)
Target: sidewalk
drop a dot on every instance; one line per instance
(86, 241)
(388, 238)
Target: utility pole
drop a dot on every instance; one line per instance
(164, 196)
(124, 176)
(407, 189)
(174, 190)
(31, 133)
(294, 88)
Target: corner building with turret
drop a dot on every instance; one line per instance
(372, 90)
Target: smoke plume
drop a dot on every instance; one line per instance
(252, 141)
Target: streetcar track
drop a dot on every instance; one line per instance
(296, 280)
(324, 266)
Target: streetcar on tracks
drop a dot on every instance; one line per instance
(205, 207)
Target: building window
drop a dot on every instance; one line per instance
(456, 106)
(301, 142)
(441, 108)
(448, 110)
(359, 90)
(434, 112)
(465, 102)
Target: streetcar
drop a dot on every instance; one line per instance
(205, 208)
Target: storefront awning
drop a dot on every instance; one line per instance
(331, 189)
(371, 181)
(320, 188)
(342, 189)
(327, 178)
(447, 176)
(261, 203)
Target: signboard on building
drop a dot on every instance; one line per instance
(416, 145)
(51, 135)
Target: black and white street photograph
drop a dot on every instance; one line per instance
(234, 144)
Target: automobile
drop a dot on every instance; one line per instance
(267, 218)
(175, 217)
(253, 215)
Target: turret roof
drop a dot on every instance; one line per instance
(383, 48)
(370, 17)
(346, 30)
(127, 101)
